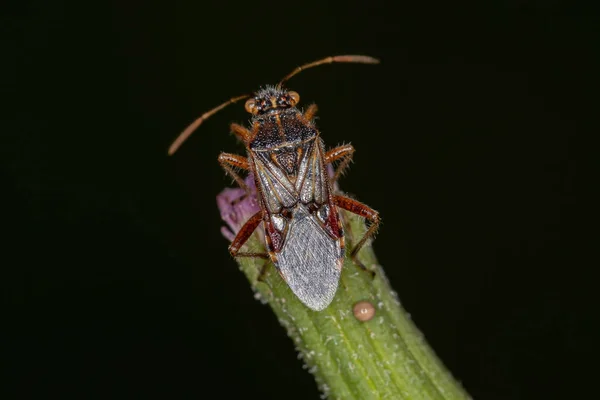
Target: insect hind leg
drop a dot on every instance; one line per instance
(262, 276)
(243, 235)
(369, 214)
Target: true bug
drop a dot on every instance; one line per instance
(299, 211)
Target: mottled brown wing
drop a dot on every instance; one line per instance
(276, 189)
(312, 183)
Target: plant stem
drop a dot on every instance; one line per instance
(386, 357)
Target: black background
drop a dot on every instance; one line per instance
(117, 280)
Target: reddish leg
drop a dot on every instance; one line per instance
(229, 161)
(363, 210)
(343, 152)
(244, 234)
(242, 237)
(241, 132)
(309, 114)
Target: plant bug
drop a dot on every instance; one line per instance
(298, 208)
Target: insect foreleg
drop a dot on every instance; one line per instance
(241, 132)
(309, 114)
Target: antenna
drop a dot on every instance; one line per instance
(329, 60)
(194, 125)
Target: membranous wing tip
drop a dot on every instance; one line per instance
(310, 260)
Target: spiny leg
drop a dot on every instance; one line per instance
(241, 132)
(309, 114)
(229, 161)
(343, 152)
(242, 237)
(364, 211)
(244, 234)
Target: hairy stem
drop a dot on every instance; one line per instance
(385, 357)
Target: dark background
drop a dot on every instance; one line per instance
(117, 281)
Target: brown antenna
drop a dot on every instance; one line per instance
(334, 59)
(194, 125)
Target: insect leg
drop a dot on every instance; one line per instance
(241, 132)
(263, 273)
(244, 234)
(343, 152)
(229, 161)
(362, 210)
(309, 114)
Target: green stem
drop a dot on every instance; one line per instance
(383, 358)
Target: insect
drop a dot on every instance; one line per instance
(298, 208)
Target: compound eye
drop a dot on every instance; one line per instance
(251, 106)
(295, 97)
